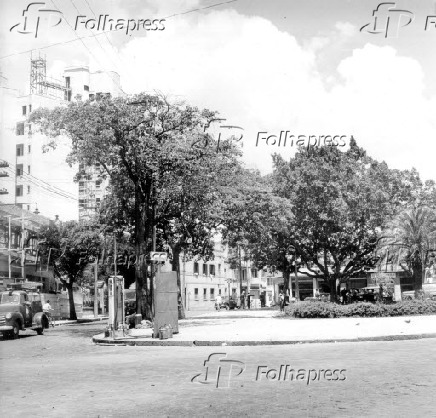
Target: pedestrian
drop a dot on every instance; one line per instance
(243, 300)
(282, 301)
(46, 308)
(218, 302)
(248, 301)
(343, 296)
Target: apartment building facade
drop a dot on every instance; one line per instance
(203, 281)
(33, 175)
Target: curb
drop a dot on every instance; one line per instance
(99, 340)
(81, 321)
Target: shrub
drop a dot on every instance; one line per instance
(313, 309)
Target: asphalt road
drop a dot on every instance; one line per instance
(62, 374)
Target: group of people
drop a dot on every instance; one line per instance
(245, 300)
(354, 295)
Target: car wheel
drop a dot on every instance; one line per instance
(15, 333)
(40, 331)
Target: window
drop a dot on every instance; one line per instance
(86, 88)
(219, 269)
(205, 294)
(19, 128)
(254, 273)
(196, 293)
(219, 292)
(19, 169)
(212, 294)
(29, 148)
(67, 81)
(212, 269)
(28, 207)
(269, 281)
(28, 189)
(196, 269)
(28, 169)
(204, 269)
(81, 184)
(19, 190)
(30, 108)
(24, 109)
(20, 150)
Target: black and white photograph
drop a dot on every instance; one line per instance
(217, 208)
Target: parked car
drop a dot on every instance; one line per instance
(20, 310)
(229, 303)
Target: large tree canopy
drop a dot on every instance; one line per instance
(165, 170)
(340, 203)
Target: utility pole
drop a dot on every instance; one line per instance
(297, 287)
(96, 288)
(183, 289)
(23, 251)
(9, 246)
(240, 269)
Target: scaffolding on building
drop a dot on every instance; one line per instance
(43, 85)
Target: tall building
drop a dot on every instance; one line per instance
(34, 176)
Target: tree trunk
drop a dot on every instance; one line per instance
(143, 306)
(73, 315)
(175, 264)
(333, 291)
(286, 275)
(417, 279)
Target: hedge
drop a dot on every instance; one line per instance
(360, 309)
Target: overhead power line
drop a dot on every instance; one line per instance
(105, 32)
(43, 185)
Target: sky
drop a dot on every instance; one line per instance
(302, 66)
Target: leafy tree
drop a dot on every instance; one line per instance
(340, 203)
(412, 238)
(156, 155)
(70, 248)
(255, 221)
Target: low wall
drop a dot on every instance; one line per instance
(61, 305)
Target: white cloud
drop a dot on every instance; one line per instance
(264, 80)
(346, 28)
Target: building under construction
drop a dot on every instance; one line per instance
(42, 181)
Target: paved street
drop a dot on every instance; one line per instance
(63, 374)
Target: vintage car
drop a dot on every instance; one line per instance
(229, 303)
(20, 310)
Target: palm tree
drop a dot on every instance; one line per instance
(413, 237)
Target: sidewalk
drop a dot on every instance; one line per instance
(270, 327)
